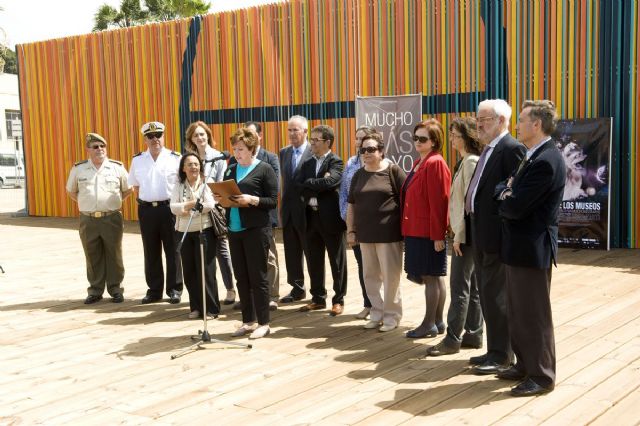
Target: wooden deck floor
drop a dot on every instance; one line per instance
(63, 362)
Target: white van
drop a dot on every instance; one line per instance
(11, 169)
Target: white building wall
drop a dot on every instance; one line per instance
(9, 100)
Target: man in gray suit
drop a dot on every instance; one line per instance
(292, 207)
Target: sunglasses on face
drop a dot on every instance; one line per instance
(420, 139)
(153, 135)
(99, 146)
(368, 149)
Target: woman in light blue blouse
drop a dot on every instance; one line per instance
(353, 164)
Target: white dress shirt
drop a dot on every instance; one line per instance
(155, 179)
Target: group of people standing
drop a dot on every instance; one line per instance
(499, 210)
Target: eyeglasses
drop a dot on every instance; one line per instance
(99, 146)
(485, 119)
(316, 140)
(368, 149)
(150, 136)
(420, 139)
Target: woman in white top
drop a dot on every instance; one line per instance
(183, 200)
(464, 310)
(200, 140)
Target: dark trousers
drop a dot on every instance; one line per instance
(294, 251)
(157, 227)
(101, 239)
(358, 255)
(192, 270)
(224, 261)
(531, 323)
(318, 242)
(249, 251)
(464, 312)
(493, 300)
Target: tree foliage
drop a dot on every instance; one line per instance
(8, 57)
(131, 13)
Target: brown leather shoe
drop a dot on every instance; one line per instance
(312, 307)
(337, 309)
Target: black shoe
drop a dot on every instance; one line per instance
(489, 367)
(511, 373)
(471, 342)
(441, 327)
(92, 299)
(150, 299)
(442, 349)
(478, 360)
(174, 297)
(530, 388)
(117, 298)
(293, 297)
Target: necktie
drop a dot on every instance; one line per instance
(474, 181)
(294, 160)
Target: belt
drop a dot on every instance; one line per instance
(99, 214)
(152, 203)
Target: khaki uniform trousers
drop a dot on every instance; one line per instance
(102, 243)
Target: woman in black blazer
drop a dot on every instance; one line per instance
(250, 231)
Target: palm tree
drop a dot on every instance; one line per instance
(130, 14)
(165, 10)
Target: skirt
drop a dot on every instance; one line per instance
(421, 258)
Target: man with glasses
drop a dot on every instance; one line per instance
(99, 185)
(153, 174)
(318, 182)
(500, 157)
(292, 208)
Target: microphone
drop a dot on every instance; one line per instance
(224, 155)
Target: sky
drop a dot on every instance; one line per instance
(26, 21)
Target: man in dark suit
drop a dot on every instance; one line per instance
(319, 181)
(273, 267)
(501, 155)
(292, 208)
(529, 210)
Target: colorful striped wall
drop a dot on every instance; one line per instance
(313, 57)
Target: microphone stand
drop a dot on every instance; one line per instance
(203, 337)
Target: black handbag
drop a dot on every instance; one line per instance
(219, 221)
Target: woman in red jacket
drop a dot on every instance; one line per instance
(425, 217)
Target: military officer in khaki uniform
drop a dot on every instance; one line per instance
(99, 185)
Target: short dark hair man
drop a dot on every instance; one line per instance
(319, 182)
(529, 209)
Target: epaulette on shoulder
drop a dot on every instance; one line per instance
(138, 154)
(81, 162)
(177, 154)
(119, 163)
